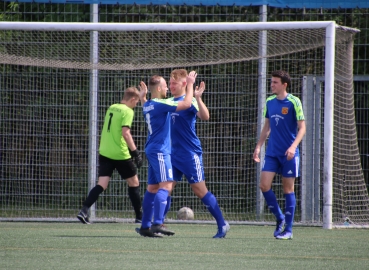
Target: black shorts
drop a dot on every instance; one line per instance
(126, 168)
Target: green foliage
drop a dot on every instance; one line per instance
(35, 12)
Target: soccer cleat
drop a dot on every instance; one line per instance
(139, 218)
(284, 236)
(223, 231)
(147, 233)
(279, 227)
(83, 217)
(160, 228)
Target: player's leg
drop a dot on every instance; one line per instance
(290, 171)
(209, 200)
(134, 196)
(106, 168)
(128, 171)
(177, 177)
(194, 172)
(211, 203)
(160, 203)
(199, 188)
(270, 168)
(162, 168)
(148, 204)
(92, 197)
(169, 201)
(148, 210)
(149, 197)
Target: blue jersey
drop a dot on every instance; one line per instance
(156, 113)
(183, 129)
(283, 116)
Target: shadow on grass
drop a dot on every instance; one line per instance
(96, 236)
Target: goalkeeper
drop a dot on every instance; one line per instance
(285, 123)
(117, 151)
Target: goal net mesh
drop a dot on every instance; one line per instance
(45, 108)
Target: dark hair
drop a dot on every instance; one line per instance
(154, 81)
(131, 92)
(283, 75)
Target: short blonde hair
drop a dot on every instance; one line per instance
(177, 74)
(131, 92)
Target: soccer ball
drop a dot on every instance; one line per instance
(185, 213)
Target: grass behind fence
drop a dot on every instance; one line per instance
(116, 246)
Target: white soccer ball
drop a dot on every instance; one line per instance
(185, 213)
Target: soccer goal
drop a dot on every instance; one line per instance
(57, 79)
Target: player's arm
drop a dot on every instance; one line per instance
(203, 112)
(290, 153)
(126, 133)
(263, 136)
(187, 102)
(143, 92)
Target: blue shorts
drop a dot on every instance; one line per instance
(280, 165)
(189, 165)
(160, 168)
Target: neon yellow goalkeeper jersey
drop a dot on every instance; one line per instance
(112, 143)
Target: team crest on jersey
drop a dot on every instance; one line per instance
(284, 110)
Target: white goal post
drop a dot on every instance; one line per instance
(126, 55)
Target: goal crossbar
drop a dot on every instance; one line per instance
(256, 26)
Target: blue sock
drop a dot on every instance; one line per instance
(169, 201)
(290, 210)
(147, 209)
(211, 203)
(160, 204)
(271, 200)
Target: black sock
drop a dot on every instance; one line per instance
(92, 196)
(134, 195)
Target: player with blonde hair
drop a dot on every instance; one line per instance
(117, 151)
(188, 151)
(158, 149)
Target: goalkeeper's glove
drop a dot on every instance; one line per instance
(136, 156)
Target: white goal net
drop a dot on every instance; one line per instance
(57, 79)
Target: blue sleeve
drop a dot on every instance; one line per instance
(166, 106)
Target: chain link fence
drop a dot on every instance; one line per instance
(356, 18)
